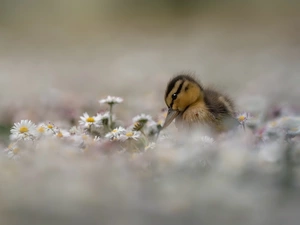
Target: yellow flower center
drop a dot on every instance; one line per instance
(90, 120)
(50, 126)
(241, 118)
(129, 134)
(41, 129)
(23, 129)
(16, 150)
(59, 134)
(114, 131)
(273, 124)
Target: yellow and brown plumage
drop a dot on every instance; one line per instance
(192, 105)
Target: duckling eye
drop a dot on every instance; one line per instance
(174, 96)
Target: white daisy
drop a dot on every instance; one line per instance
(142, 118)
(281, 126)
(47, 129)
(103, 115)
(25, 130)
(272, 127)
(41, 128)
(86, 121)
(111, 100)
(51, 128)
(74, 130)
(242, 117)
(152, 128)
(104, 118)
(63, 133)
(129, 134)
(12, 151)
(291, 125)
(116, 133)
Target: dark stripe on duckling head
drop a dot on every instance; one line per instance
(179, 89)
(183, 77)
(174, 95)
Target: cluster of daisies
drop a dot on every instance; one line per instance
(104, 133)
(274, 130)
(266, 129)
(93, 132)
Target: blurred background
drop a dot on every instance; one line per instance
(131, 48)
(59, 57)
(76, 52)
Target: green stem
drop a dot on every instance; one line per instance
(146, 142)
(135, 146)
(110, 116)
(288, 170)
(130, 148)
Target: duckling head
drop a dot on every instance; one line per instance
(182, 91)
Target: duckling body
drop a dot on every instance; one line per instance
(193, 106)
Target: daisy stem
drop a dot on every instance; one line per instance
(89, 129)
(146, 139)
(130, 145)
(110, 116)
(134, 145)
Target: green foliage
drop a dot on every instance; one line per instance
(4, 131)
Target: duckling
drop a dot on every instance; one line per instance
(192, 105)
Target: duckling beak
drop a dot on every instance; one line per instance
(170, 117)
